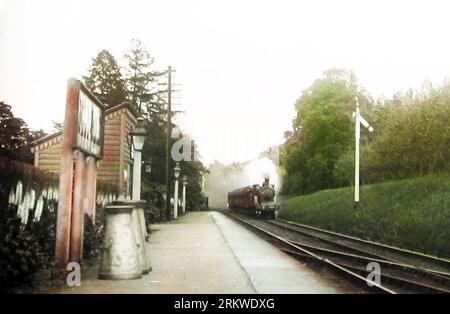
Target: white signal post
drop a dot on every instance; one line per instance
(358, 121)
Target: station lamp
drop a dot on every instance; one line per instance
(138, 134)
(177, 170)
(147, 166)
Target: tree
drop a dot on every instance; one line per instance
(140, 81)
(14, 136)
(140, 89)
(105, 79)
(413, 135)
(154, 182)
(57, 126)
(323, 131)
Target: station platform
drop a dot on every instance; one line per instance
(207, 252)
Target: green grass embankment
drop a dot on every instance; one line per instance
(412, 214)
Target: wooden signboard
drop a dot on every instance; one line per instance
(90, 123)
(82, 147)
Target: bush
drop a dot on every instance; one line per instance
(26, 249)
(93, 235)
(20, 253)
(412, 213)
(44, 231)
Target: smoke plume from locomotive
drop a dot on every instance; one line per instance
(223, 179)
(257, 170)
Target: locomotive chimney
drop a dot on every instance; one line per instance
(266, 181)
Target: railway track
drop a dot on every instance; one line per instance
(428, 263)
(401, 271)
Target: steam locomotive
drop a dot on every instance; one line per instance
(257, 200)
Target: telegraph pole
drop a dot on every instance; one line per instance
(168, 139)
(170, 113)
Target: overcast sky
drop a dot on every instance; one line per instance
(242, 64)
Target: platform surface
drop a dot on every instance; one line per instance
(207, 252)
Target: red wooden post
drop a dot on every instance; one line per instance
(91, 186)
(66, 179)
(77, 223)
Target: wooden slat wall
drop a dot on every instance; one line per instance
(116, 157)
(50, 158)
(127, 162)
(109, 167)
(129, 124)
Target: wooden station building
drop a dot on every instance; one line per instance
(116, 167)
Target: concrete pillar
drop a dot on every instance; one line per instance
(77, 225)
(144, 260)
(120, 255)
(138, 209)
(142, 224)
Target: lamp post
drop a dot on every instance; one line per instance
(184, 193)
(125, 256)
(138, 133)
(175, 193)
